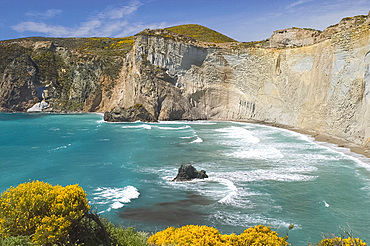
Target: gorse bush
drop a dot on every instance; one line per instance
(37, 213)
(204, 235)
(16, 241)
(44, 212)
(338, 241)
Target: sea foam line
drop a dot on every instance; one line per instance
(234, 132)
(174, 128)
(232, 188)
(182, 122)
(141, 126)
(266, 153)
(247, 220)
(60, 147)
(115, 197)
(197, 140)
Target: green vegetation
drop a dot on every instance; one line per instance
(41, 211)
(200, 33)
(255, 44)
(338, 241)
(204, 235)
(50, 65)
(10, 52)
(306, 28)
(55, 61)
(108, 46)
(37, 213)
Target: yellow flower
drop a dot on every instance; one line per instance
(39, 209)
(204, 236)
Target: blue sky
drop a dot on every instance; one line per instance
(243, 20)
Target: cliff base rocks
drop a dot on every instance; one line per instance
(188, 172)
(131, 114)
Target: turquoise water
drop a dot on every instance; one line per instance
(257, 174)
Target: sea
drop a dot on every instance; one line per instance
(258, 174)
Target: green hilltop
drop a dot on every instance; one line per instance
(200, 33)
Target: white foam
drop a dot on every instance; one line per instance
(60, 147)
(181, 122)
(282, 174)
(266, 153)
(360, 160)
(326, 204)
(204, 123)
(117, 205)
(197, 140)
(174, 128)
(54, 129)
(234, 132)
(116, 197)
(104, 139)
(100, 121)
(140, 126)
(233, 190)
(248, 220)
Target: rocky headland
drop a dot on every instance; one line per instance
(315, 81)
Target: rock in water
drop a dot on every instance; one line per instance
(131, 114)
(188, 172)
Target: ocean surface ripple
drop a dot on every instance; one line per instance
(257, 174)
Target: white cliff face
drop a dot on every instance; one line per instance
(324, 87)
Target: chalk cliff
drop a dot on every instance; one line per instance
(304, 78)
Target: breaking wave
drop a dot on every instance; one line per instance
(114, 198)
(140, 126)
(240, 133)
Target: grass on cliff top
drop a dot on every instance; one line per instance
(93, 45)
(200, 33)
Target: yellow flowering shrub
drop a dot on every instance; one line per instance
(261, 235)
(44, 212)
(207, 236)
(338, 241)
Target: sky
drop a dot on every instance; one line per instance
(243, 20)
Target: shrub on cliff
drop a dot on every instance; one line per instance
(44, 212)
(338, 241)
(37, 213)
(204, 235)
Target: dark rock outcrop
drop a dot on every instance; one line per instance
(131, 114)
(18, 84)
(188, 172)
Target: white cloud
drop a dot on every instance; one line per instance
(50, 13)
(39, 27)
(111, 22)
(297, 3)
(123, 11)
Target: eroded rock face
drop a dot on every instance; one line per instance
(321, 85)
(188, 172)
(18, 85)
(131, 114)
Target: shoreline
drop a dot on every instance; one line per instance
(317, 137)
(322, 138)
